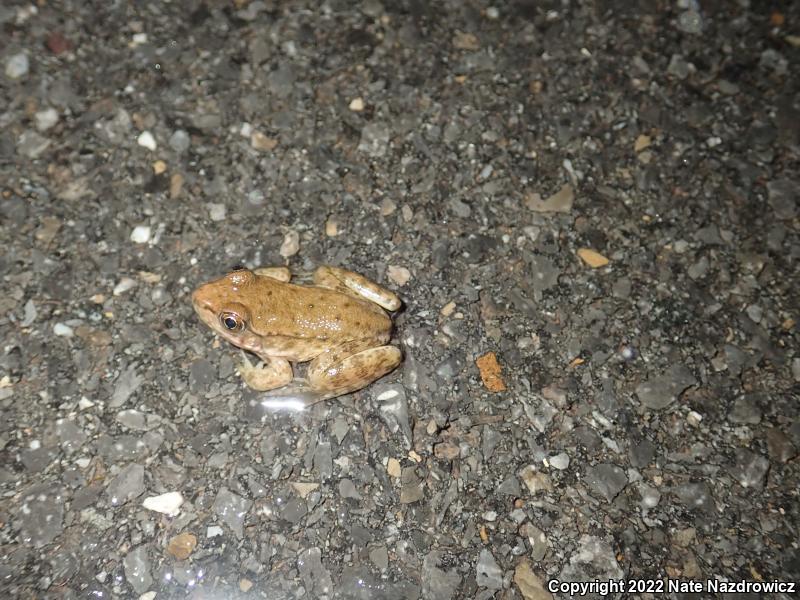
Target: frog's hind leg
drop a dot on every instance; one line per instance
(280, 273)
(350, 367)
(352, 283)
(276, 373)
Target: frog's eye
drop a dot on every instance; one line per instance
(231, 321)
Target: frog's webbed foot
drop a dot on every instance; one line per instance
(351, 283)
(280, 273)
(263, 377)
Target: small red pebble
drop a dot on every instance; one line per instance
(57, 43)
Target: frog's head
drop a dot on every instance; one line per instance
(222, 304)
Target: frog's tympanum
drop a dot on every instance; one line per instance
(339, 323)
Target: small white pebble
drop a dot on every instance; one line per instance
(216, 212)
(45, 119)
(331, 227)
(213, 531)
(694, 418)
(125, 284)
(356, 105)
(147, 140)
(755, 313)
(559, 461)
(387, 207)
(17, 66)
(168, 504)
(490, 515)
(399, 275)
(139, 39)
(85, 403)
(680, 246)
(140, 234)
(448, 309)
(492, 13)
(35, 444)
(62, 330)
(83, 462)
(246, 130)
(388, 395)
(291, 244)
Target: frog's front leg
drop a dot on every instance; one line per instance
(280, 273)
(275, 373)
(350, 282)
(350, 367)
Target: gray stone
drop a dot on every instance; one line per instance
(749, 469)
(323, 460)
(32, 145)
(132, 419)
(201, 374)
(543, 275)
(294, 510)
(70, 435)
(488, 572)
(231, 509)
(127, 383)
(593, 559)
(438, 583)
(40, 517)
(690, 21)
(411, 486)
(374, 139)
(17, 65)
(642, 453)
(606, 480)
(560, 461)
(347, 489)
(661, 391)
(678, 67)
(510, 487)
(745, 411)
(780, 447)
(380, 557)
(537, 539)
(180, 141)
(393, 409)
(782, 196)
(137, 569)
(118, 129)
(316, 578)
(696, 496)
(127, 485)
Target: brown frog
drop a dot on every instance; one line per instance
(339, 323)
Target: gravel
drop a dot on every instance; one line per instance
(603, 200)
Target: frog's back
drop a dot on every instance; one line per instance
(297, 311)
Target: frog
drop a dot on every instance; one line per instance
(339, 324)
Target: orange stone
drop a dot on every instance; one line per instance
(490, 372)
(182, 545)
